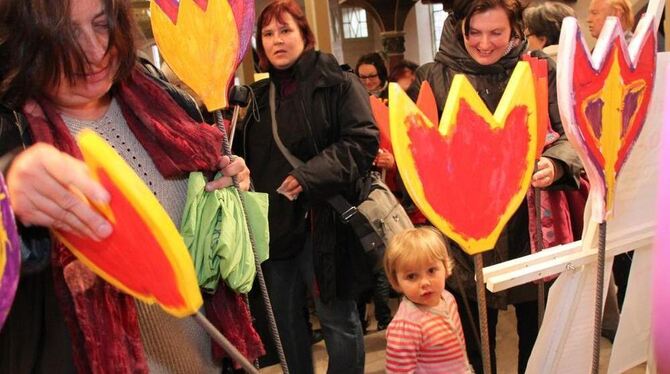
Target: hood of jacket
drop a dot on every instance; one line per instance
(452, 53)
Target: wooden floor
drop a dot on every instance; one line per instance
(375, 345)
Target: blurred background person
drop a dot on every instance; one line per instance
(371, 70)
(403, 73)
(543, 26)
(599, 10)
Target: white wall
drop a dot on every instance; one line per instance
(352, 49)
(418, 39)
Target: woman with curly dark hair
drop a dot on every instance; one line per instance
(543, 26)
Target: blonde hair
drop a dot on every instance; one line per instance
(625, 8)
(412, 247)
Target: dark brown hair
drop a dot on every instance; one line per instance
(277, 10)
(376, 60)
(38, 44)
(401, 68)
(463, 10)
(545, 20)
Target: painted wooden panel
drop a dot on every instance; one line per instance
(144, 256)
(203, 42)
(541, 82)
(469, 175)
(604, 99)
(381, 113)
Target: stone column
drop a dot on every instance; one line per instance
(394, 46)
(324, 19)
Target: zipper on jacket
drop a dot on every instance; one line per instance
(309, 127)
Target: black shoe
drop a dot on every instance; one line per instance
(317, 336)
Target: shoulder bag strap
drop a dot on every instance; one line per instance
(348, 213)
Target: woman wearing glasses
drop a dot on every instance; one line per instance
(371, 70)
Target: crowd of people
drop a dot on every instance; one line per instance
(72, 64)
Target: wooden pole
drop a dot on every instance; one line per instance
(483, 318)
(597, 321)
(539, 245)
(224, 343)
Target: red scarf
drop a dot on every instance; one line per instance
(102, 321)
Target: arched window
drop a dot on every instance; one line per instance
(354, 23)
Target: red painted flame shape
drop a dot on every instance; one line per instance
(611, 105)
(469, 175)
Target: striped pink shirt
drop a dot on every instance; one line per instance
(426, 340)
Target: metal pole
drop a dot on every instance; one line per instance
(483, 318)
(600, 275)
(539, 245)
(224, 343)
(226, 146)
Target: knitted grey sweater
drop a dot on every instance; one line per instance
(172, 345)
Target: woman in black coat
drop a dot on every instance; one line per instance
(323, 118)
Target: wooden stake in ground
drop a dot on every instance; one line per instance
(483, 315)
(598, 315)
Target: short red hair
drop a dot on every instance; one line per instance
(277, 10)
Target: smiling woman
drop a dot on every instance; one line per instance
(484, 40)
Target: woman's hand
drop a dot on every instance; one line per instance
(290, 188)
(229, 169)
(384, 159)
(547, 172)
(49, 188)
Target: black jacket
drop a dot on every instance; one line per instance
(490, 82)
(327, 123)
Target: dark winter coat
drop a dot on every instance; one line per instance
(490, 82)
(326, 122)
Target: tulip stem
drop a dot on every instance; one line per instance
(483, 317)
(224, 343)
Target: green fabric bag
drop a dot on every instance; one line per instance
(216, 235)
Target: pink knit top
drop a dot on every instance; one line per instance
(426, 340)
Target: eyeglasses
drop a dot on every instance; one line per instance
(364, 77)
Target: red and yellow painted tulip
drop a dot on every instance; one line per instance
(10, 255)
(541, 80)
(469, 175)
(381, 113)
(604, 100)
(144, 256)
(199, 42)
